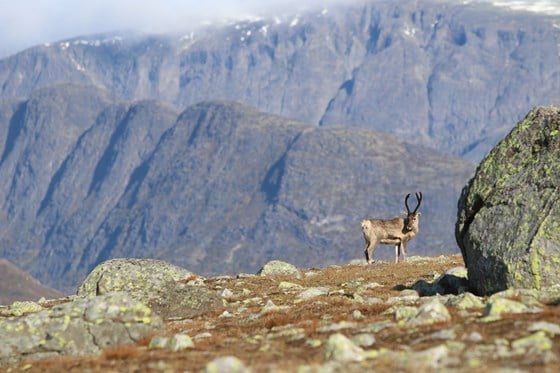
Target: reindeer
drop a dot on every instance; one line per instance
(397, 231)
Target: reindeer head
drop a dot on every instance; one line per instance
(411, 221)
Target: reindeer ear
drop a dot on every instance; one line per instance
(419, 214)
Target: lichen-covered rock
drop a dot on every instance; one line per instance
(465, 301)
(313, 293)
(508, 225)
(226, 364)
(143, 277)
(429, 313)
(176, 343)
(498, 306)
(81, 327)
(155, 283)
(19, 308)
(338, 347)
(279, 268)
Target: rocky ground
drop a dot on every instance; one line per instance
(341, 318)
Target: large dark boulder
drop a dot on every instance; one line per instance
(508, 225)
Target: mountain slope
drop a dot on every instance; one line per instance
(220, 187)
(16, 285)
(454, 76)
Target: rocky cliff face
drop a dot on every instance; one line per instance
(508, 216)
(454, 76)
(218, 188)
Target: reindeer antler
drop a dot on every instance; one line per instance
(419, 199)
(406, 203)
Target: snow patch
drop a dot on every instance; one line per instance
(409, 31)
(264, 30)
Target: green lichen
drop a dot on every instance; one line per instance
(536, 342)
(535, 256)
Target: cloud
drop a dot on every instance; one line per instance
(24, 23)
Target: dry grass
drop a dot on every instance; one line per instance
(246, 337)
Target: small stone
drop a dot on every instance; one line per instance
(338, 347)
(377, 327)
(285, 285)
(465, 301)
(270, 307)
(179, 342)
(226, 364)
(406, 296)
(158, 342)
(371, 285)
(313, 292)
(430, 313)
(357, 315)
(289, 332)
(403, 312)
(473, 337)
(226, 293)
(336, 327)
(203, 335)
(364, 340)
(535, 343)
(313, 343)
(548, 327)
(496, 307)
(19, 308)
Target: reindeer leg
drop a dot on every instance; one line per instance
(403, 245)
(397, 252)
(369, 251)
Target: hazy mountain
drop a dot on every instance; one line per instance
(452, 75)
(218, 188)
(16, 285)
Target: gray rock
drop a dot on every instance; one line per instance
(154, 283)
(313, 293)
(429, 313)
(548, 327)
(466, 301)
(179, 342)
(508, 221)
(498, 306)
(226, 364)
(279, 268)
(158, 342)
(338, 347)
(19, 308)
(142, 277)
(534, 343)
(363, 340)
(337, 326)
(81, 327)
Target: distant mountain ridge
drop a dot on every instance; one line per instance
(218, 188)
(16, 285)
(453, 76)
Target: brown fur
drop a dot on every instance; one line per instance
(397, 231)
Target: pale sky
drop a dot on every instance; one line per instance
(24, 23)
